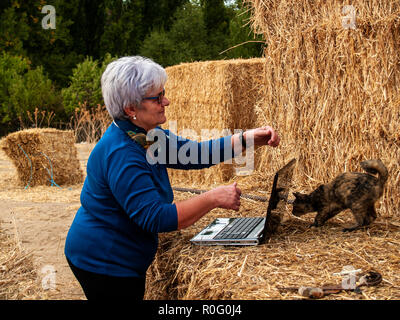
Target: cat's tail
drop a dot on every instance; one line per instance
(376, 166)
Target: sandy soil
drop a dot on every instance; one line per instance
(40, 217)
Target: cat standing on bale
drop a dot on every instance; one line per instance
(352, 190)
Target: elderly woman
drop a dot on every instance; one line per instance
(126, 200)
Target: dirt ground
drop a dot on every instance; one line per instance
(40, 217)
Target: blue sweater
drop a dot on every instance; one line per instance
(126, 201)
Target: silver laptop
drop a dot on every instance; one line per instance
(249, 231)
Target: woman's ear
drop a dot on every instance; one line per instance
(130, 111)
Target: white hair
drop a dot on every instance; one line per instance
(127, 80)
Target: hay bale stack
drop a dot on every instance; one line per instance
(42, 154)
(211, 96)
(333, 94)
(332, 91)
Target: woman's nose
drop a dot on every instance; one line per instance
(165, 101)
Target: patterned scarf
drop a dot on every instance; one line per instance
(136, 133)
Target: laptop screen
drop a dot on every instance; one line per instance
(278, 198)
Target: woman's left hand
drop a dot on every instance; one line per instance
(262, 136)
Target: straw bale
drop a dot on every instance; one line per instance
(281, 18)
(332, 94)
(208, 98)
(42, 154)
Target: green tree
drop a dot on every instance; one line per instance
(85, 87)
(14, 30)
(83, 28)
(159, 14)
(188, 39)
(56, 49)
(216, 20)
(242, 42)
(184, 42)
(216, 17)
(22, 89)
(22, 34)
(128, 22)
(123, 30)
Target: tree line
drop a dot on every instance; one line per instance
(59, 69)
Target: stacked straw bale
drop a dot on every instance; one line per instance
(207, 98)
(44, 154)
(333, 95)
(331, 91)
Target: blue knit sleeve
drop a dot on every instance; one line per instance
(187, 154)
(131, 183)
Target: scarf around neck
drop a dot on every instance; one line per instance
(136, 133)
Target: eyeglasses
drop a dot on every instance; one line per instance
(158, 97)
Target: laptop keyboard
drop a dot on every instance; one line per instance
(239, 228)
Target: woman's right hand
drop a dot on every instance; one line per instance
(227, 197)
(192, 209)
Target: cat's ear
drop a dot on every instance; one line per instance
(297, 194)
